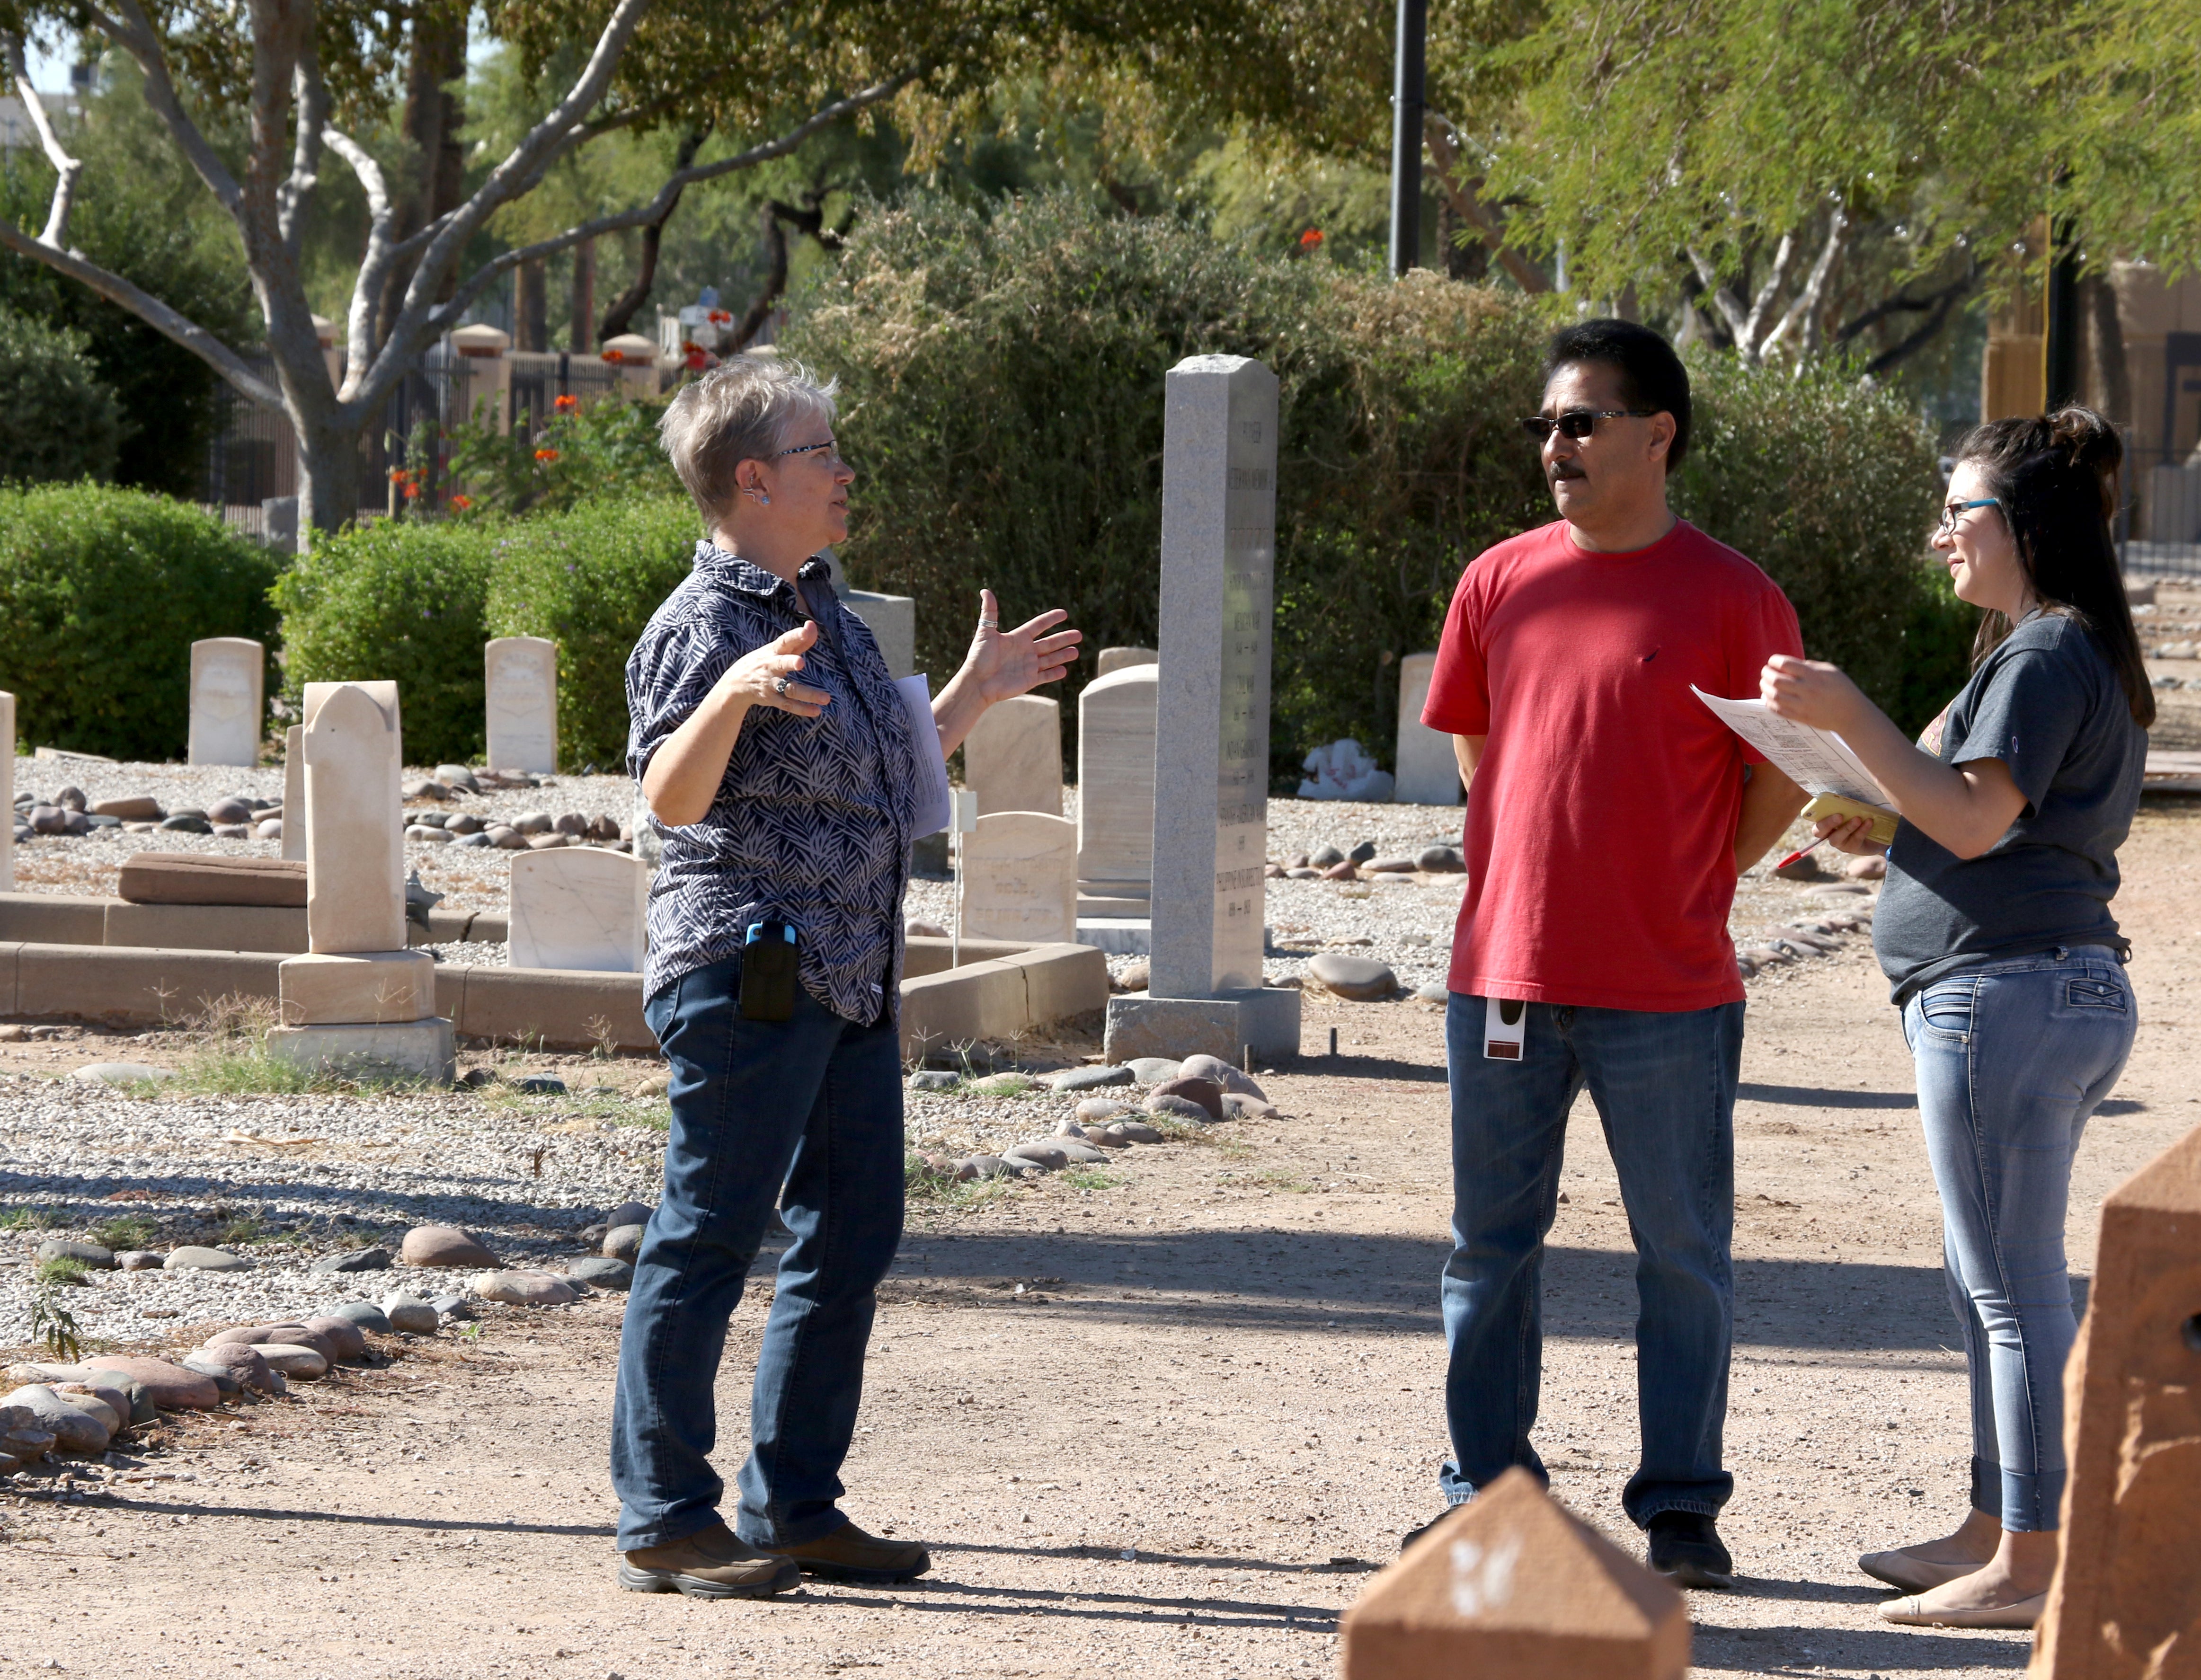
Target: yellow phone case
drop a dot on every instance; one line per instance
(1834, 804)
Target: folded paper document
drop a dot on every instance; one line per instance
(1818, 761)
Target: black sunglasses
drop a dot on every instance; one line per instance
(1579, 423)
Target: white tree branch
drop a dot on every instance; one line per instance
(446, 315)
(150, 310)
(312, 96)
(359, 331)
(505, 182)
(1748, 341)
(1805, 310)
(134, 34)
(1708, 277)
(65, 169)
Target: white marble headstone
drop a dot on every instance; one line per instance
(1020, 878)
(1116, 783)
(1012, 760)
(578, 908)
(1428, 770)
(522, 695)
(294, 793)
(226, 675)
(355, 811)
(1113, 659)
(1211, 722)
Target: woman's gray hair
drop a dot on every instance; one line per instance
(741, 410)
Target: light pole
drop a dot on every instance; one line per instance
(1407, 94)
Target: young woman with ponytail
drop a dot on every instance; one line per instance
(1994, 930)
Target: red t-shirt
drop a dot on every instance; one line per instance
(1600, 828)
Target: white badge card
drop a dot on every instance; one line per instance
(1505, 1029)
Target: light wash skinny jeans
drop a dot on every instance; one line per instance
(2013, 1057)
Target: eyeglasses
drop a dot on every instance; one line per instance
(1948, 514)
(1579, 423)
(833, 459)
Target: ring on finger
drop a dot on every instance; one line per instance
(779, 685)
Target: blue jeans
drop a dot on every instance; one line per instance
(1664, 1087)
(813, 1104)
(2013, 1058)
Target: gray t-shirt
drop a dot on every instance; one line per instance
(2048, 704)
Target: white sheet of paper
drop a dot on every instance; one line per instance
(1819, 761)
(934, 808)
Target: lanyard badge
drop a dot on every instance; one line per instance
(1504, 1028)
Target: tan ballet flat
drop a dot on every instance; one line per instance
(1910, 1613)
(1913, 1575)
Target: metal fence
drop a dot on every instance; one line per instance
(2159, 516)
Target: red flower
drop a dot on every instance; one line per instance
(411, 490)
(397, 474)
(615, 356)
(720, 316)
(566, 405)
(1311, 238)
(698, 357)
(546, 455)
(461, 502)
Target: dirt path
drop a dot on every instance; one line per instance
(1227, 1366)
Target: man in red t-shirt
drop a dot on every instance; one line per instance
(1609, 812)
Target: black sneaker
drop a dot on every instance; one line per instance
(1686, 1548)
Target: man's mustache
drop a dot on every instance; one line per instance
(1566, 469)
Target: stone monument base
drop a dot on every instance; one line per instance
(1117, 935)
(394, 1051)
(1263, 1019)
(1109, 904)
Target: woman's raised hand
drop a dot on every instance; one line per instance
(1007, 663)
(1812, 692)
(766, 677)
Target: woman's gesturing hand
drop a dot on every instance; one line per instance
(1852, 834)
(1005, 663)
(766, 677)
(1811, 691)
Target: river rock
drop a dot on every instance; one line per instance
(410, 1314)
(600, 1272)
(26, 1442)
(109, 1408)
(74, 1429)
(343, 1336)
(934, 1079)
(1325, 857)
(627, 1213)
(172, 1388)
(1441, 860)
(1106, 1137)
(353, 1259)
(225, 1382)
(1230, 1077)
(1362, 978)
(90, 1256)
(1079, 1151)
(364, 1314)
(1236, 1106)
(524, 1289)
(445, 1245)
(1388, 866)
(139, 1260)
(1154, 1069)
(623, 1242)
(980, 1166)
(453, 1308)
(1091, 1078)
(119, 1073)
(242, 1365)
(293, 1359)
(292, 1334)
(1102, 1108)
(1206, 1092)
(193, 1258)
(1178, 1108)
(1044, 1153)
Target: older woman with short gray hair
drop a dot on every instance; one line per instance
(782, 771)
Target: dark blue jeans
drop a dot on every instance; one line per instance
(1664, 1088)
(2014, 1057)
(811, 1106)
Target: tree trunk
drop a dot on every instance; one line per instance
(434, 183)
(328, 480)
(530, 306)
(775, 280)
(2105, 375)
(617, 318)
(583, 314)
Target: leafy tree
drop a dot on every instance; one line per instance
(57, 421)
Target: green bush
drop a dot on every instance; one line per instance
(1829, 484)
(1937, 649)
(397, 599)
(589, 579)
(101, 593)
(1002, 401)
(58, 422)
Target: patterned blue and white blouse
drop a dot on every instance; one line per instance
(812, 822)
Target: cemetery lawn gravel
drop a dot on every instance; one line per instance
(1222, 1356)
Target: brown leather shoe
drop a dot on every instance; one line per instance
(864, 1559)
(709, 1564)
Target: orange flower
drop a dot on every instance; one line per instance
(546, 455)
(397, 474)
(411, 490)
(1311, 238)
(615, 355)
(720, 316)
(461, 502)
(566, 405)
